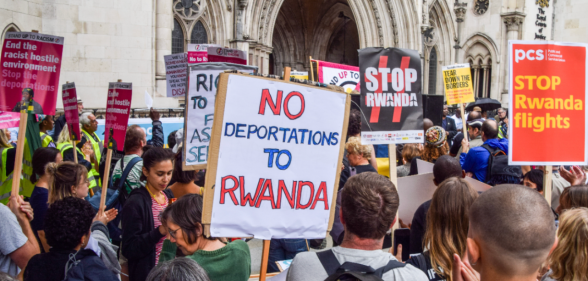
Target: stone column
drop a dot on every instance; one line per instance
(476, 80)
(460, 11)
(513, 25)
(485, 86)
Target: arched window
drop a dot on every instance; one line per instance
(10, 28)
(177, 38)
(199, 35)
(433, 71)
(480, 61)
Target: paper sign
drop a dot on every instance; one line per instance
(283, 265)
(118, 109)
(424, 167)
(200, 110)
(30, 60)
(457, 80)
(198, 53)
(547, 108)
(70, 108)
(275, 169)
(218, 54)
(9, 120)
(148, 100)
(345, 76)
(299, 74)
(391, 96)
(175, 74)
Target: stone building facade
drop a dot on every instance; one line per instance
(107, 40)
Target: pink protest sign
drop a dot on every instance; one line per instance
(118, 108)
(218, 54)
(197, 53)
(30, 60)
(70, 108)
(9, 120)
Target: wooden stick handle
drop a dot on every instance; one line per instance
(463, 122)
(20, 146)
(75, 151)
(105, 179)
(547, 183)
(264, 259)
(311, 70)
(287, 71)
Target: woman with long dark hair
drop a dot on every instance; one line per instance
(143, 233)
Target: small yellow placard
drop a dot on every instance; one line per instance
(457, 80)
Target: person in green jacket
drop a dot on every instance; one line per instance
(183, 219)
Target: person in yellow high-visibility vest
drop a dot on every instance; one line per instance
(44, 126)
(89, 127)
(7, 158)
(65, 147)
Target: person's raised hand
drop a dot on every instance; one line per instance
(105, 216)
(154, 115)
(403, 225)
(575, 176)
(398, 252)
(111, 214)
(465, 145)
(462, 270)
(22, 210)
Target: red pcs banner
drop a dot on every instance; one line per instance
(118, 108)
(30, 60)
(70, 108)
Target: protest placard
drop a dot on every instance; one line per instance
(218, 54)
(391, 96)
(175, 74)
(271, 161)
(299, 74)
(342, 75)
(198, 53)
(202, 85)
(70, 109)
(30, 61)
(118, 108)
(9, 120)
(457, 81)
(548, 93)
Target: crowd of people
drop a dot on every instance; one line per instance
(151, 226)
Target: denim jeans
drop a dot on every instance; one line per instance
(284, 249)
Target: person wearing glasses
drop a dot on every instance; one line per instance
(221, 261)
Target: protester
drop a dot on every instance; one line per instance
(44, 126)
(446, 167)
(354, 130)
(409, 152)
(67, 180)
(534, 180)
(427, 123)
(171, 139)
(60, 123)
(67, 152)
(435, 147)
(178, 269)
(474, 129)
(510, 236)
(7, 157)
(18, 243)
(135, 140)
(183, 220)
(89, 128)
(368, 210)
(474, 160)
(143, 233)
(558, 184)
(359, 155)
(458, 119)
(503, 123)
(573, 197)
(184, 180)
(447, 228)
(448, 125)
(40, 195)
(67, 228)
(569, 261)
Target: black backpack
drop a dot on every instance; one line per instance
(351, 270)
(499, 172)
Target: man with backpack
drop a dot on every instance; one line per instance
(369, 203)
(489, 163)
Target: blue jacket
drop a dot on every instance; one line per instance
(476, 160)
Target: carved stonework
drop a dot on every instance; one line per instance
(393, 20)
(189, 9)
(481, 6)
(460, 11)
(542, 3)
(430, 36)
(379, 23)
(513, 23)
(425, 12)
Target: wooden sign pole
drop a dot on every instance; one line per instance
(465, 131)
(75, 151)
(266, 243)
(311, 69)
(22, 130)
(548, 174)
(107, 170)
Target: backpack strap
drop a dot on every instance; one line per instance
(329, 261)
(127, 170)
(422, 261)
(392, 264)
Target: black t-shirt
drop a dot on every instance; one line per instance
(364, 168)
(418, 228)
(456, 144)
(423, 262)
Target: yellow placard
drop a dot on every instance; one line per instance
(457, 80)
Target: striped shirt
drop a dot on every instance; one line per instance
(156, 209)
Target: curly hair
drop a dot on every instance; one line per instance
(431, 153)
(569, 260)
(67, 221)
(354, 144)
(354, 127)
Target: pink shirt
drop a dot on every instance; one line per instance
(157, 208)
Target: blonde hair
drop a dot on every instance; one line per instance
(354, 144)
(62, 177)
(4, 141)
(569, 260)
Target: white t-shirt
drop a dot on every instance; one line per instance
(11, 240)
(458, 122)
(307, 266)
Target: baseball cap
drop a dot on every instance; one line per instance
(475, 121)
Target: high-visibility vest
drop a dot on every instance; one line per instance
(5, 180)
(62, 147)
(27, 171)
(501, 133)
(97, 147)
(46, 140)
